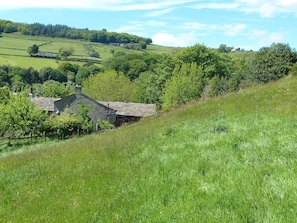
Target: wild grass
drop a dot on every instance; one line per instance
(228, 159)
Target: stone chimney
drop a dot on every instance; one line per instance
(78, 90)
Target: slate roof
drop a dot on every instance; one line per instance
(47, 104)
(122, 108)
(131, 109)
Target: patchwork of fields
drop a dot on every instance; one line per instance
(13, 50)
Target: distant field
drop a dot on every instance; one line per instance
(26, 62)
(13, 50)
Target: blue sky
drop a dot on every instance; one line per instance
(248, 24)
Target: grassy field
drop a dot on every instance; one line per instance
(13, 50)
(227, 159)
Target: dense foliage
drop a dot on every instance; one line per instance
(167, 80)
(20, 117)
(63, 31)
(198, 71)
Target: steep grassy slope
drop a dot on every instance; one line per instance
(228, 159)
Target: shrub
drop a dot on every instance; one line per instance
(104, 125)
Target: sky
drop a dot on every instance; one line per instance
(245, 24)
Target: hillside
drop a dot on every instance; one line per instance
(227, 159)
(13, 50)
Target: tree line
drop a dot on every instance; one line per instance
(166, 80)
(63, 31)
(163, 79)
(192, 73)
(48, 81)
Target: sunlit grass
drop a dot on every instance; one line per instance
(228, 159)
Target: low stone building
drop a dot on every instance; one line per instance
(97, 111)
(130, 112)
(46, 104)
(116, 113)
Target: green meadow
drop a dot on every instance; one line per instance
(13, 50)
(227, 159)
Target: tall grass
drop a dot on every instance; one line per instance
(228, 159)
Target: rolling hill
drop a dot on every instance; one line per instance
(13, 50)
(226, 159)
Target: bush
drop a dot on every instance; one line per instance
(104, 125)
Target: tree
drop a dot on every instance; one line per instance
(4, 94)
(186, 84)
(61, 125)
(136, 66)
(294, 70)
(108, 86)
(271, 63)
(82, 74)
(223, 48)
(211, 62)
(19, 116)
(32, 50)
(66, 51)
(54, 89)
(48, 73)
(84, 119)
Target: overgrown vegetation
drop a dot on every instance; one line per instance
(223, 159)
(19, 117)
(167, 80)
(228, 159)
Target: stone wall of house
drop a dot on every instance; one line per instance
(96, 110)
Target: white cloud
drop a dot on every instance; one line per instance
(215, 5)
(179, 40)
(199, 26)
(268, 9)
(228, 29)
(234, 30)
(110, 5)
(139, 28)
(156, 23)
(159, 13)
(266, 38)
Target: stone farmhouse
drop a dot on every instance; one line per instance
(116, 113)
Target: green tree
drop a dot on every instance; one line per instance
(216, 86)
(4, 77)
(223, 48)
(82, 74)
(32, 50)
(271, 63)
(55, 89)
(294, 70)
(84, 119)
(108, 86)
(211, 62)
(136, 66)
(61, 125)
(48, 73)
(4, 94)
(19, 116)
(66, 51)
(186, 84)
